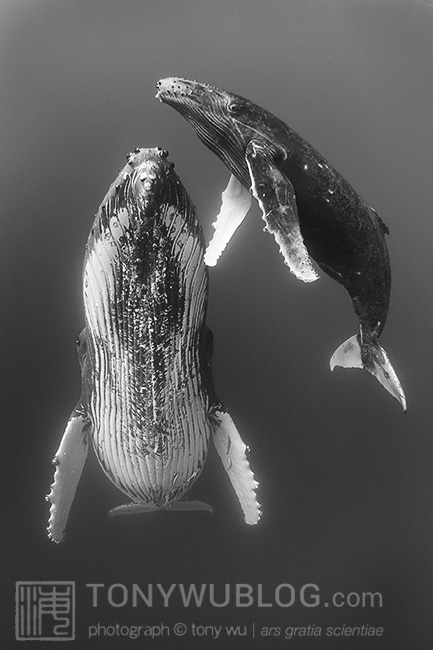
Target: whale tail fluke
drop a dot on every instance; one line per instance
(371, 356)
(140, 508)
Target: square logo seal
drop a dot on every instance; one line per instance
(44, 611)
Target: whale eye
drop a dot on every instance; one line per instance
(234, 107)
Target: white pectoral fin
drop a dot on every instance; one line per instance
(276, 197)
(372, 358)
(232, 451)
(236, 203)
(69, 461)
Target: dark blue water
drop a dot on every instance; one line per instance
(345, 478)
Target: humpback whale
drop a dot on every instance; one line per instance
(148, 404)
(312, 211)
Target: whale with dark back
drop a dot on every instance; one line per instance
(312, 211)
(148, 404)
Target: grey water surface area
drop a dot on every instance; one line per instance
(345, 545)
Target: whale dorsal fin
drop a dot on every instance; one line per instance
(276, 197)
(236, 203)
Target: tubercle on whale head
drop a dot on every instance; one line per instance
(176, 91)
(182, 94)
(140, 155)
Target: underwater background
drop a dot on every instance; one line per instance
(346, 479)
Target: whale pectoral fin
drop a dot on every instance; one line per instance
(373, 358)
(232, 451)
(276, 197)
(69, 461)
(139, 508)
(236, 203)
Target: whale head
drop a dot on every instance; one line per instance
(226, 123)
